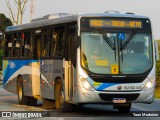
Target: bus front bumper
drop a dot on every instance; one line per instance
(106, 97)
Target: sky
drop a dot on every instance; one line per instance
(148, 8)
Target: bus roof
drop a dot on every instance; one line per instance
(65, 19)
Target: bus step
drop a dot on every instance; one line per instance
(37, 97)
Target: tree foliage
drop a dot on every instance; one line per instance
(158, 73)
(158, 68)
(4, 22)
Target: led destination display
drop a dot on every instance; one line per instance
(107, 23)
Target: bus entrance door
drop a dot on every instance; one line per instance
(69, 68)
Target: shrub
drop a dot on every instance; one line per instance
(158, 73)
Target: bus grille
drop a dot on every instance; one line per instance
(109, 97)
(118, 80)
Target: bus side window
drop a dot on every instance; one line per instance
(54, 38)
(60, 44)
(8, 45)
(58, 37)
(16, 47)
(46, 43)
(26, 44)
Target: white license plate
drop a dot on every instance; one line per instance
(119, 100)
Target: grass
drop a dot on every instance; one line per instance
(157, 93)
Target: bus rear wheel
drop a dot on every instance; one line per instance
(22, 99)
(124, 109)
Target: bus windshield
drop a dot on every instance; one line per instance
(116, 53)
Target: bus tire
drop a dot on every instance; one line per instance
(32, 101)
(124, 109)
(64, 106)
(22, 99)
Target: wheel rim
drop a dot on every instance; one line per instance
(20, 93)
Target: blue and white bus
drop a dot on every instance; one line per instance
(94, 58)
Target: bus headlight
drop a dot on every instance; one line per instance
(86, 84)
(149, 84)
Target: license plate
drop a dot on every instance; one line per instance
(119, 100)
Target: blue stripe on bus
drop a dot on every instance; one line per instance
(106, 85)
(13, 66)
(100, 86)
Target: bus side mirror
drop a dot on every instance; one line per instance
(156, 51)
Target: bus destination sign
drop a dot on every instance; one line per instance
(108, 23)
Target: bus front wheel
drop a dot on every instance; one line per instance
(59, 94)
(65, 107)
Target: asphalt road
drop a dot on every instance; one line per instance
(108, 111)
(88, 112)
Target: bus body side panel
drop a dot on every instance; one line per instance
(13, 68)
(50, 70)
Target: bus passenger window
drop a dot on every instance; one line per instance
(8, 46)
(26, 44)
(58, 42)
(16, 47)
(46, 43)
(54, 37)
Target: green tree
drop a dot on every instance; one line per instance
(158, 67)
(4, 22)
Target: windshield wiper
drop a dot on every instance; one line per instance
(109, 42)
(121, 50)
(127, 41)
